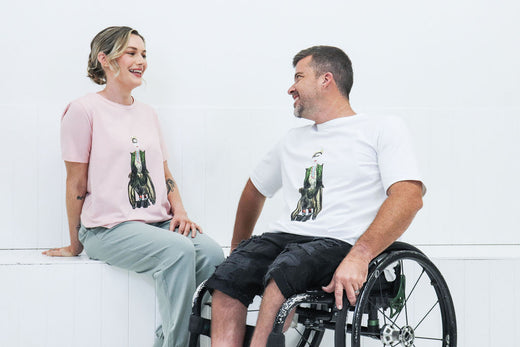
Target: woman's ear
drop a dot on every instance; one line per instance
(102, 58)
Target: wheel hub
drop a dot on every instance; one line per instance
(391, 334)
(407, 336)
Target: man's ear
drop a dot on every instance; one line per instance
(327, 78)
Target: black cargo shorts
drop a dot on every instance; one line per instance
(296, 263)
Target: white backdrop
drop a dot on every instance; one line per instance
(218, 75)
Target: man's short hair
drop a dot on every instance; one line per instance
(330, 59)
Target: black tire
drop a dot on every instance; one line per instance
(427, 317)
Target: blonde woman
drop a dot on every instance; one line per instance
(123, 204)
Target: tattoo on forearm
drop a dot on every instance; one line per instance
(78, 227)
(170, 185)
(79, 197)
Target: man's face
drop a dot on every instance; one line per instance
(305, 90)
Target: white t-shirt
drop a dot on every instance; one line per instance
(335, 175)
(124, 148)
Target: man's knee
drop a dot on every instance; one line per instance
(272, 289)
(220, 296)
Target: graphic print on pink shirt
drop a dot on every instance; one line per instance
(141, 191)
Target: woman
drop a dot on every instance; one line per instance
(119, 183)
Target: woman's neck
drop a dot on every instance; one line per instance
(117, 95)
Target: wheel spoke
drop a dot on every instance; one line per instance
(306, 339)
(387, 317)
(428, 338)
(426, 315)
(303, 337)
(405, 305)
(411, 292)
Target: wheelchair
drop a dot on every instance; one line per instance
(404, 302)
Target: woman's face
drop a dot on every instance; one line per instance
(132, 64)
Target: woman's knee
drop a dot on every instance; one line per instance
(209, 251)
(179, 250)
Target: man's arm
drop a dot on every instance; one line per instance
(395, 215)
(249, 208)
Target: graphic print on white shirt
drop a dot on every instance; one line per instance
(310, 203)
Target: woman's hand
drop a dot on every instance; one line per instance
(181, 221)
(68, 251)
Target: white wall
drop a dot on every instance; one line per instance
(218, 75)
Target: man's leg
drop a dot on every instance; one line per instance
(228, 320)
(236, 282)
(301, 266)
(272, 300)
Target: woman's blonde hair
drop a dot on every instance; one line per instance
(112, 41)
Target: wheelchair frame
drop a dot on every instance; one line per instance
(316, 310)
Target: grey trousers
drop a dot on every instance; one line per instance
(177, 263)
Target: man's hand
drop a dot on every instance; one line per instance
(350, 276)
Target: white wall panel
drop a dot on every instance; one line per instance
(58, 296)
(502, 296)
(50, 191)
(8, 118)
(226, 171)
(477, 304)
(87, 308)
(193, 162)
(141, 303)
(114, 304)
(10, 306)
(34, 292)
(24, 181)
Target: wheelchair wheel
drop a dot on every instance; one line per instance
(405, 302)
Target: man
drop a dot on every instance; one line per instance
(368, 192)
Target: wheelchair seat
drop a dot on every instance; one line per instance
(405, 301)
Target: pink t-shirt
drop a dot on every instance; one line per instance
(125, 150)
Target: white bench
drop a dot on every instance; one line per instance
(74, 302)
(46, 301)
